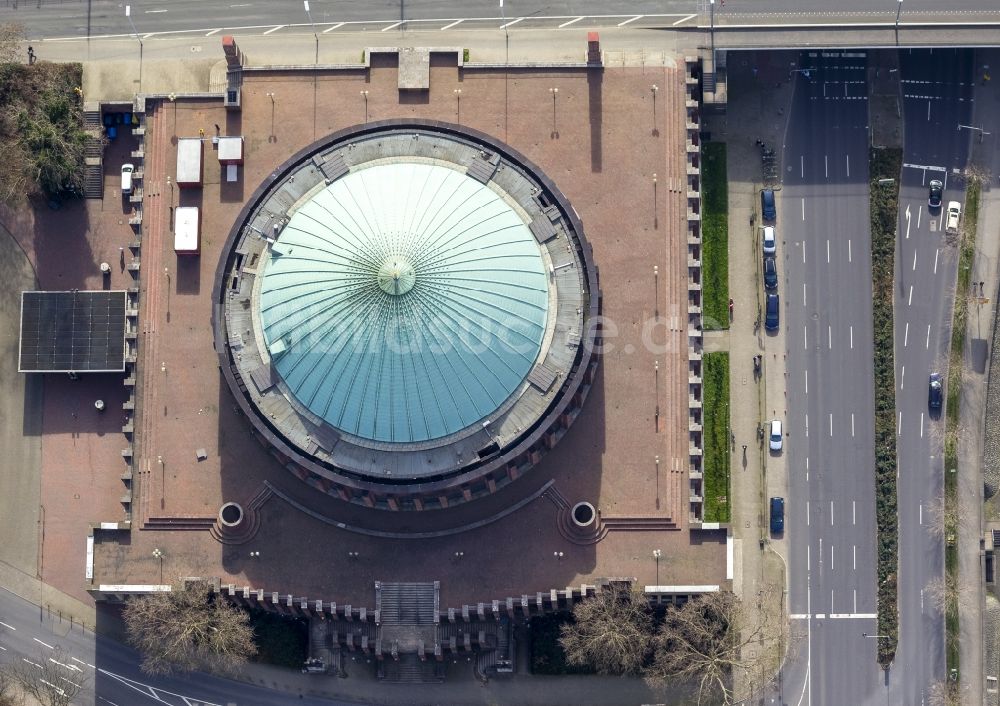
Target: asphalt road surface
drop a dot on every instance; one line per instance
(109, 672)
(824, 231)
(937, 92)
(95, 18)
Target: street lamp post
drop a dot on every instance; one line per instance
(313, 23)
(656, 557)
(980, 130)
(506, 69)
(712, 33)
(128, 16)
(899, 10)
(364, 94)
(554, 92)
(158, 554)
(458, 105)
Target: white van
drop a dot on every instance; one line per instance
(127, 170)
(953, 217)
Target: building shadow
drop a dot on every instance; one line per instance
(595, 81)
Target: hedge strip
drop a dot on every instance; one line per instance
(714, 237)
(715, 386)
(885, 164)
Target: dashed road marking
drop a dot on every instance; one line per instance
(45, 644)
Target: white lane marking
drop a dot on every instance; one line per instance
(921, 425)
(914, 268)
(828, 251)
(921, 600)
(154, 12)
(849, 251)
(807, 469)
(452, 24)
(848, 165)
(920, 213)
(803, 252)
(805, 337)
(802, 166)
(514, 22)
(82, 662)
(684, 19)
(907, 221)
(9, 627)
(807, 515)
(70, 667)
(637, 17)
(909, 299)
(341, 24)
(852, 423)
(853, 616)
(807, 381)
(567, 24)
(831, 524)
(899, 429)
(798, 616)
(831, 569)
(275, 29)
(854, 560)
(921, 506)
(852, 337)
(831, 424)
(829, 336)
(33, 664)
(803, 209)
(854, 512)
(394, 25)
(803, 294)
(43, 643)
(928, 110)
(214, 31)
(936, 253)
(807, 425)
(855, 600)
(906, 334)
(928, 343)
(3, 648)
(808, 565)
(48, 683)
(826, 164)
(902, 377)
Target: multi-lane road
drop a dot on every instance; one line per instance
(823, 222)
(937, 97)
(96, 18)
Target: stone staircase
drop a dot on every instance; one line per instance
(410, 669)
(93, 152)
(407, 604)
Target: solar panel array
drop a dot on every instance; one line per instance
(63, 332)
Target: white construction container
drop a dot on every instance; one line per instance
(189, 162)
(187, 230)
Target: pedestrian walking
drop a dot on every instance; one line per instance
(31, 55)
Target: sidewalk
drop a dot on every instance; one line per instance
(975, 374)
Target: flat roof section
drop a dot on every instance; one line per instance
(72, 332)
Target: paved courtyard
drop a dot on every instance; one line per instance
(619, 159)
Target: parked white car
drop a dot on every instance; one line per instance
(774, 439)
(767, 240)
(953, 217)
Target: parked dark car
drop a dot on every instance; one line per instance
(777, 515)
(936, 192)
(771, 313)
(935, 391)
(767, 204)
(770, 274)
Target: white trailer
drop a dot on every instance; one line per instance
(189, 162)
(187, 230)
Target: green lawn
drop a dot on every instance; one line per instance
(714, 237)
(715, 386)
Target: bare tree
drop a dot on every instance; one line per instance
(721, 645)
(11, 36)
(189, 628)
(49, 679)
(612, 632)
(10, 695)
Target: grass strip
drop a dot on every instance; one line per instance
(714, 237)
(967, 249)
(715, 386)
(884, 170)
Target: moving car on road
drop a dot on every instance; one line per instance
(767, 240)
(935, 391)
(770, 274)
(934, 197)
(777, 515)
(774, 438)
(771, 313)
(953, 217)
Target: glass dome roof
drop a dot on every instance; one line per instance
(404, 302)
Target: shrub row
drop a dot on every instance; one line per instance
(714, 236)
(885, 164)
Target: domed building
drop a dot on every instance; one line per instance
(406, 313)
